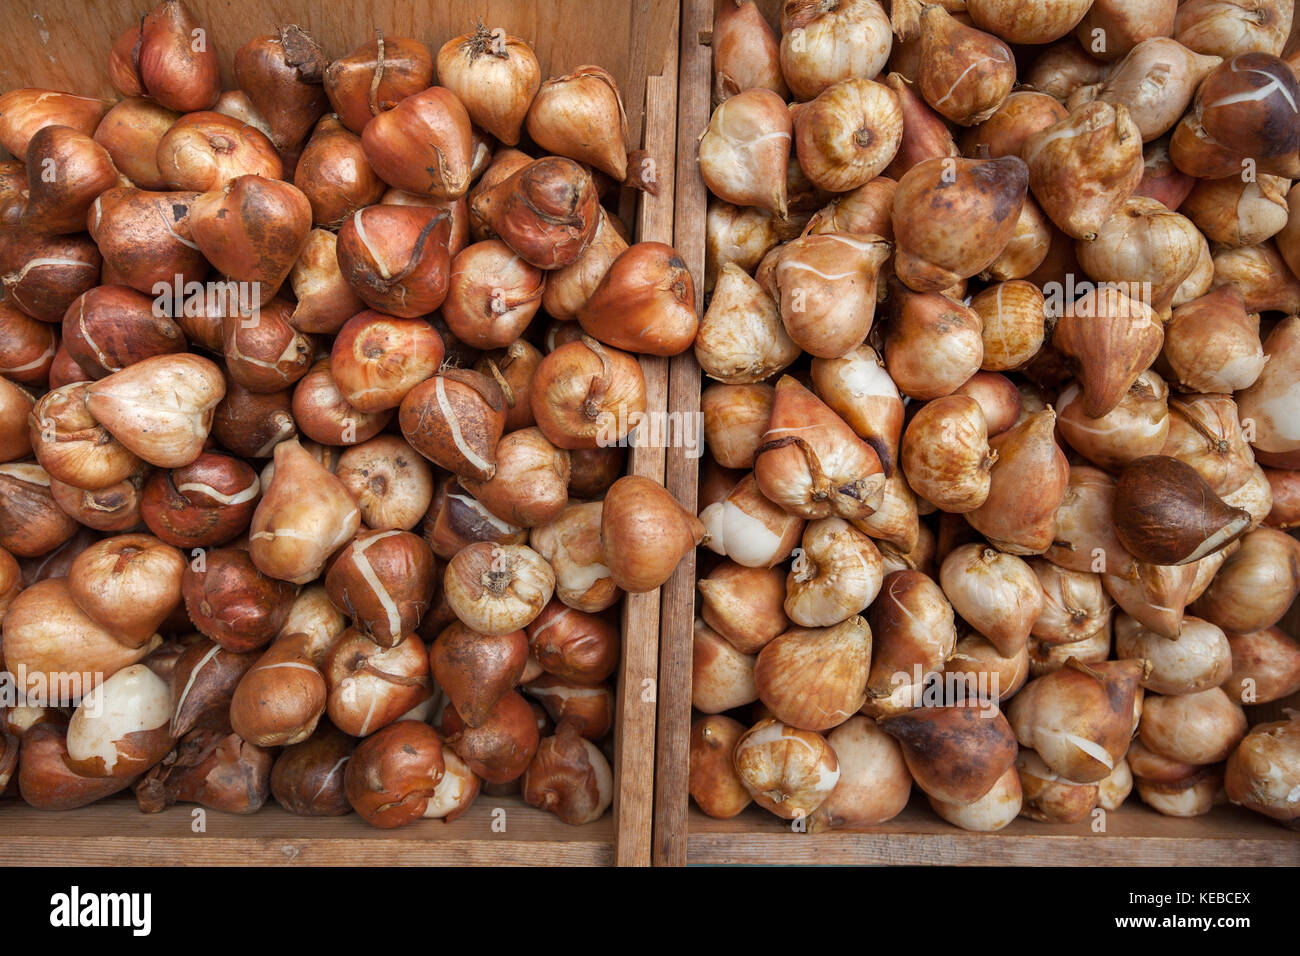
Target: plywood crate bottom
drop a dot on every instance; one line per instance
(1134, 835)
(494, 831)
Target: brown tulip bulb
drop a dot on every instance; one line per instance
(308, 777)
(500, 748)
(205, 151)
(422, 144)
(304, 516)
(455, 419)
(252, 229)
(370, 687)
(113, 326)
(475, 670)
(282, 75)
(280, 699)
(377, 359)
(396, 258)
(955, 753)
(42, 275)
(384, 580)
(1165, 513)
(375, 77)
(547, 211)
(202, 683)
(394, 774)
(232, 602)
(644, 532)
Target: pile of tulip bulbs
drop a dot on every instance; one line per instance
(1002, 411)
(313, 421)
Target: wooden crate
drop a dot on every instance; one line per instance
(64, 44)
(1135, 834)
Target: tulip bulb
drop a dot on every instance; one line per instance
(836, 574)
(1199, 728)
(580, 115)
(811, 463)
(968, 72)
(745, 605)
(547, 211)
(997, 594)
(1082, 169)
(1271, 401)
(495, 76)
(568, 288)
(476, 670)
(1256, 584)
(748, 528)
(1165, 513)
(160, 408)
(304, 516)
(1050, 798)
(422, 145)
(813, 679)
(722, 675)
(121, 727)
(874, 783)
(743, 153)
(946, 455)
(1079, 719)
(1263, 773)
(375, 77)
(953, 217)
(1113, 338)
(1212, 344)
(1028, 456)
(570, 777)
(1199, 659)
(644, 533)
(848, 134)
(991, 812)
(741, 338)
(823, 44)
(956, 754)
(645, 302)
(914, 633)
(713, 782)
(158, 57)
(787, 771)
(746, 52)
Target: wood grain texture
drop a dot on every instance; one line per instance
(1135, 836)
(64, 44)
(638, 676)
(115, 831)
(682, 475)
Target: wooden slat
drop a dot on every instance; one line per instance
(682, 475)
(1135, 835)
(635, 725)
(114, 831)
